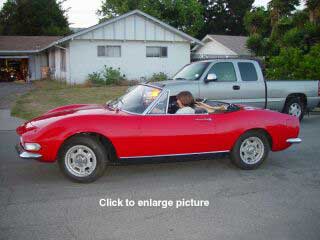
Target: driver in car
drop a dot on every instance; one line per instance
(186, 103)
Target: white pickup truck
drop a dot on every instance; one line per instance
(241, 81)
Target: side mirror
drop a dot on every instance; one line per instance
(211, 77)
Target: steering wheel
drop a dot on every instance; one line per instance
(173, 106)
(232, 108)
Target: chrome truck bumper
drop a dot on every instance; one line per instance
(25, 154)
(294, 140)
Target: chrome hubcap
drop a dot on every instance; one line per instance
(251, 150)
(80, 161)
(295, 110)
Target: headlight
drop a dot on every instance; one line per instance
(32, 146)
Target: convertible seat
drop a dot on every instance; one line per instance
(199, 110)
(208, 108)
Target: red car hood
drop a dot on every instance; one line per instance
(62, 112)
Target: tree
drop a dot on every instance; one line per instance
(257, 21)
(33, 17)
(314, 10)
(281, 8)
(293, 64)
(186, 15)
(224, 16)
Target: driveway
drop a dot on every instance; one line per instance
(8, 94)
(280, 200)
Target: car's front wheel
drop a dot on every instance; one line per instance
(250, 150)
(83, 159)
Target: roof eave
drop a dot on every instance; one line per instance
(20, 51)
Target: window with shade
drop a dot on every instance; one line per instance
(109, 51)
(159, 52)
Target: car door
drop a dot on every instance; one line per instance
(164, 134)
(226, 87)
(252, 86)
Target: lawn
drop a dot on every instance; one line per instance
(50, 94)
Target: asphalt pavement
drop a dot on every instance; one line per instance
(10, 90)
(280, 200)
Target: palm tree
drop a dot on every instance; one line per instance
(281, 8)
(314, 10)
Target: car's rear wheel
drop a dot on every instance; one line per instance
(295, 107)
(83, 159)
(250, 150)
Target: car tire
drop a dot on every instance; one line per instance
(295, 107)
(83, 159)
(250, 150)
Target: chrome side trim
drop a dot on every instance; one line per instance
(27, 155)
(178, 154)
(294, 140)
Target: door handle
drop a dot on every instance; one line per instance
(203, 119)
(236, 87)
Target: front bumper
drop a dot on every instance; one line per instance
(25, 154)
(294, 140)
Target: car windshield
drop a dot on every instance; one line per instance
(192, 71)
(137, 100)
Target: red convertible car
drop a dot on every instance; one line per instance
(84, 138)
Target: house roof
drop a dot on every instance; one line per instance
(33, 44)
(237, 44)
(138, 12)
(25, 44)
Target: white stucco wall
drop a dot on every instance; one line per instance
(133, 32)
(133, 61)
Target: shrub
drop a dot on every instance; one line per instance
(95, 78)
(293, 64)
(157, 77)
(285, 65)
(294, 38)
(112, 75)
(310, 65)
(107, 76)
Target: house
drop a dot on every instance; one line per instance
(215, 46)
(137, 43)
(24, 57)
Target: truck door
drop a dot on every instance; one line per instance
(226, 87)
(252, 87)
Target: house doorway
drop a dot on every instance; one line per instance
(14, 69)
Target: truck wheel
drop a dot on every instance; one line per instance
(250, 150)
(295, 107)
(83, 159)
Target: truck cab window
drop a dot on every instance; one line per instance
(225, 72)
(192, 71)
(247, 71)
